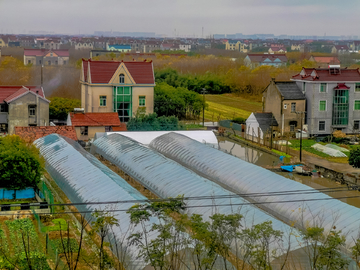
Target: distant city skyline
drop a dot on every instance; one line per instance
(191, 18)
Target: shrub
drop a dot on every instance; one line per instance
(239, 120)
(354, 158)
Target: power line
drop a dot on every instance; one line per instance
(207, 198)
(187, 207)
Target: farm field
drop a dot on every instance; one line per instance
(228, 106)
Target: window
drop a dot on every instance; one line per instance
(293, 107)
(321, 125)
(40, 62)
(32, 110)
(29, 61)
(292, 128)
(121, 78)
(103, 101)
(49, 63)
(357, 87)
(357, 105)
(141, 100)
(3, 108)
(108, 128)
(322, 87)
(356, 124)
(84, 131)
(304, 87)
(322, 105)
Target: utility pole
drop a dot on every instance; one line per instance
(203, 91)
(301, 131)
(42, 66)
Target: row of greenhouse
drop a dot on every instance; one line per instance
(173, 164)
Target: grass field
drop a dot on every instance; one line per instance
(229, 106)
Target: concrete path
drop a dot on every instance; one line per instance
(339, 167)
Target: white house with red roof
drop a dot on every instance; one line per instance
(121, 87)
(22, 106)
(332, 99)
(46, 57)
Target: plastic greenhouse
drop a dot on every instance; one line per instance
(286, 199)
(83, 179)
(167, 178)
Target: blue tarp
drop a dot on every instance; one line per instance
(11, 194)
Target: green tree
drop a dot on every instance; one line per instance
(354, 158)
(60, 107)
(164, 251)
(323, 249)
(20, 163)
(151, 122)
(257, 241)
(102, 225)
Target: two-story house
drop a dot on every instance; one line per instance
(46, 57)
(122, 87)
(256, 59)
(287, 103)
(332, 98)
(22, 106)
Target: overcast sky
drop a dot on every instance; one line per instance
(292, 17)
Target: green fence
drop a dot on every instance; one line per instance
(51, 249)
(46, 194)
(229, 124)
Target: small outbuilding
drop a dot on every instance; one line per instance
(87, 124)
(260, 123)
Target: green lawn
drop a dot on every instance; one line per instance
(229, 106)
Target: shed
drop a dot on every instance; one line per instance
(260, 123)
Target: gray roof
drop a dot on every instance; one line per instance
(265, 119)
(290, 90)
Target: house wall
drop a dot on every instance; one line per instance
(91, 133)
(252, 128)
(281, 109)
(19, 112)
(32, 60)
(313, 97)
(289, 116)
(273, 102)
(148, 92)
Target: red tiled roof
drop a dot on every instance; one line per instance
(9, 93)
(33, 133)
(326, 59)
(43, 52)
(122, 127)
(324, 74)
(342, 86)
(102, 71)
(94, 119)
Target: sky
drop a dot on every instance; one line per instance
(182, 17)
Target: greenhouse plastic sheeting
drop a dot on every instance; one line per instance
(83, 179)
(294, 205)
(333, 146)
(327, 150)
(167, 178)
(145, 137)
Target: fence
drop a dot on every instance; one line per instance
(46, 194)
(267, 140)
(51, 249)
